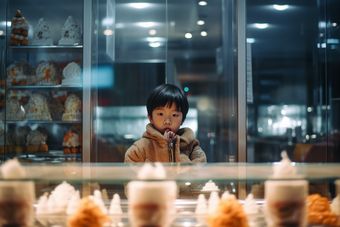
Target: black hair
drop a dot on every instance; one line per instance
(166, 95)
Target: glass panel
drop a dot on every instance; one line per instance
(333, 70)
(287, 45)
(151, 43)
(43, 119)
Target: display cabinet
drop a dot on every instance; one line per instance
(239, 180)
(42, 82)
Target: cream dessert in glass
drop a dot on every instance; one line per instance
(285, 200)
(16, 196)
(151, 203)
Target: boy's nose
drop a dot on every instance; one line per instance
(167, 122)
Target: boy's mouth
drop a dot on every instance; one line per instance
(167, 129)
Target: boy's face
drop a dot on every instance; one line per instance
(166, 119)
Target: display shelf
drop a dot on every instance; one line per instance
(218, 172)
(30, 49)
(42, 122)
(42, 87)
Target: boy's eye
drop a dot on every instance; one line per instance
(175, 115)
(160, 114)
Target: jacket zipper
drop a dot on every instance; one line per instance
(171, 151)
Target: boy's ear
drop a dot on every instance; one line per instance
(183, 121)
(150, 119)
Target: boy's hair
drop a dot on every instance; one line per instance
(166, 95)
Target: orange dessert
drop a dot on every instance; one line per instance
(229, 213)
(19, 30)
(319, 211)
(23, 82)
(71, 142)
(47, 73)
(88, 214)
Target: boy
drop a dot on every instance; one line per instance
(163, 140)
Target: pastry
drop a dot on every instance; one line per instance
(56, 108)
(319, 211)
(88, 214)
(47, 73)
(229, 213)
(19, 72)
(71, 142)
(72, 108)
(42, 34)
(14, 110)
(20, 138)
(71, 34)
(19, 30)
(36, 141)
(37, 108)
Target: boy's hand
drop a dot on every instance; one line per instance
(169, 134)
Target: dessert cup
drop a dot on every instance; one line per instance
(16, 203)
(151, 203)
(285, 202)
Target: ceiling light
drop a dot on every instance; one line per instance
(188, 35)
(203, 33)
(280, 7)
(172, 23)
(146, 24)
(140, 5)
(334, 24)
(108, 32)
(152, 32)
(157, 44)
(202, 3)
(261, 25)
(107, 21)
(9, 23)
(250, 40)
(200, 22)
(119, 25)
(1, 32)
(155, 39)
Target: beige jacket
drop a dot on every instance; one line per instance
(152, 147)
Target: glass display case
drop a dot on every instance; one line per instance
(42, 81)
(107, 182)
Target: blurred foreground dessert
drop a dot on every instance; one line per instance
(151, 203)
(16, 197)
(285, 200)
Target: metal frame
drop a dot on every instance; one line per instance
(87, 118)
(241, 82)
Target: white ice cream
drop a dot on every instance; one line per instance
(201, 207)
(210, 186)
(284, 169)
(99, 201)
(250, 206)
(42, 204)
(73, 204)
(213, 202)
(335, 205)
(72, 71)
(53, 207)
(12, 169)
(63, 194)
